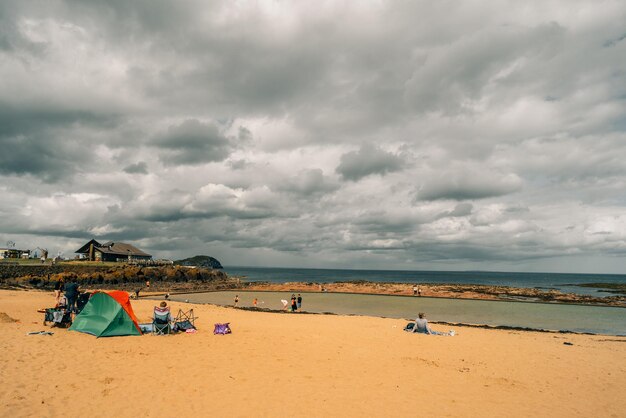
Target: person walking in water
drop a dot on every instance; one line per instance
(236, 301)
(294, 306)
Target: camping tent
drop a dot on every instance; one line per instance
(107, 314)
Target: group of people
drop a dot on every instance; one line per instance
(68, 289)
(296, 303)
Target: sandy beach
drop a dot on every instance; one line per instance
(308, 365)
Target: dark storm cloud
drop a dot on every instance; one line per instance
(46, 143)
(464, 185)
(613, 42)
(138, 168)
(307, 183)
(447, 78)
(368, 160)
(192, 142)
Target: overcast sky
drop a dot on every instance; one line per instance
(439, 135)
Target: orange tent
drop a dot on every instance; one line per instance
(123, 299)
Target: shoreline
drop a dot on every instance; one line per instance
(448, 291)
(181, 279)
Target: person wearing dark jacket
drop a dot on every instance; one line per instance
(71, 294)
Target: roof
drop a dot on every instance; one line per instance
(110, 247)
(85, 248)
(121, 248)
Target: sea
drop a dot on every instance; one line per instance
(565, 282)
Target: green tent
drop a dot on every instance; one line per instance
(107, 315)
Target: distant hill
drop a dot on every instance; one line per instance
(200, 261)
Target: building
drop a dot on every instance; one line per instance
(112, 251)
(13, 253)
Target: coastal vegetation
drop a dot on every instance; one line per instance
(124, 277)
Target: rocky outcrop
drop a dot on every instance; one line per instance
(456, 291)
(203, 261)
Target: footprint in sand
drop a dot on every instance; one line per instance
(107, 380)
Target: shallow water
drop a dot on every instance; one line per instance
(558, 317)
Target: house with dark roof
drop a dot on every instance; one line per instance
(112, 251)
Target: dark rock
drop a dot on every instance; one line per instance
(203, 261)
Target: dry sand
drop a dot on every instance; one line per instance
(276, 365)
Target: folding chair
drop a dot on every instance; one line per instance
(161, 321)
(185, 320)
(60, 317)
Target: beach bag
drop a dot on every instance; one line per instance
(183, 325)
(222, 329)
(410, 327)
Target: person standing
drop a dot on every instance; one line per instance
(419, 291)
(71, 294)
(254, 302)
(299, 301)
(414, 290)
(236, 301)
(294, 306)
(58, 288)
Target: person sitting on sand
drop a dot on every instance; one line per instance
(422, 327)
